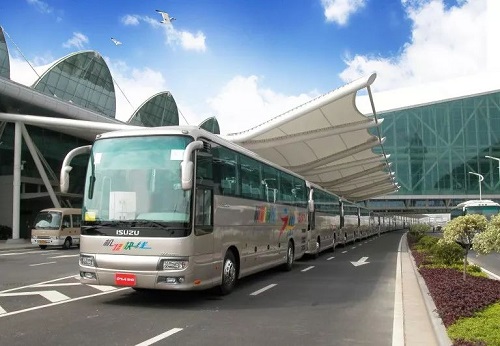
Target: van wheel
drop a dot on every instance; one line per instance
(43, 247)
(290, 254)
(67, 243)
(228, 274)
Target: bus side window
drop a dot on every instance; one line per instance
(66, 221)
(77, 220)
(203, 211)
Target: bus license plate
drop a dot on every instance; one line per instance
(122, 279)
(42, 242)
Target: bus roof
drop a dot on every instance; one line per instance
(477, 202)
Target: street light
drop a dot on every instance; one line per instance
(495, 158)
(481, 178)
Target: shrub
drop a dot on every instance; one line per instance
(447, 253)
(5, 232)
(417, 231)
(456, 298)
(426, 243)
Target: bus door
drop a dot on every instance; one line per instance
(311, 227)
(203, 211)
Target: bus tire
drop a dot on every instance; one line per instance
(290, 254)
(67, 243)
(229, 274)
(43, 247)
(318, 247)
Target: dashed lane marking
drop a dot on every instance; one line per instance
(160, 337)
(306, 269)
(262, 289)
(330, 258)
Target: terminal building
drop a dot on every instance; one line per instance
(434, 139)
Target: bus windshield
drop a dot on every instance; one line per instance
(50, 220)
(136, 179)
(487, 211)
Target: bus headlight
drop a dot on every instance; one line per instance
(87, 260)
(174, 264)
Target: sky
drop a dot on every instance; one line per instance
(247, 61)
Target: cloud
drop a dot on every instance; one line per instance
(137, 84)
(78, 41)
(130, 20)
(41, 6)
(185, 39)
(21, 71)
(446, 42)
(173, 37)
(242, 103)
(339, 11)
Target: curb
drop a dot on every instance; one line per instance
(437, 323)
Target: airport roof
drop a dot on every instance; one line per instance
(327, 141)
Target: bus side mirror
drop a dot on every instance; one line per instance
(187, 175)
(66, 168)
(310, 204)
(64, 184)
(187, 166)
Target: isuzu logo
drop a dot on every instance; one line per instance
(127, 232)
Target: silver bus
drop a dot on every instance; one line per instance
(324, 220)
(484, 207)
(178, 208)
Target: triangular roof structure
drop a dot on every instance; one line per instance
(327, 141)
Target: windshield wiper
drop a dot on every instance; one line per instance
(148, 223)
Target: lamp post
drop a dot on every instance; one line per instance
(481, 178)
(495, 158)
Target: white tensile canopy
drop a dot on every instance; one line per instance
(327, 141)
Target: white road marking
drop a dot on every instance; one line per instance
(59, 285)
(63, 256)
(61, 302)
(2, 311)
(262, 290)
(41, 264)
(306, 269)
(18, 253)
(398, 322)
(330, 258)
(160, 337)
(40, 283)
(52, 296)
(344, 251)
(353, 248)
(103, 288)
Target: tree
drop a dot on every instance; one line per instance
(463, 230)
(489, 240)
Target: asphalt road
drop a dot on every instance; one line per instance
(327, 301)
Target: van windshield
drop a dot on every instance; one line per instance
(48, 220)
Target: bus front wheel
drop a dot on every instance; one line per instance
(228, 274)
(290, 254)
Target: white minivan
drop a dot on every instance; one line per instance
(57, 227)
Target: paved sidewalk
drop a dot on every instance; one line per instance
(415, 321)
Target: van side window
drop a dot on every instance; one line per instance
(77, 220)
(66, 221)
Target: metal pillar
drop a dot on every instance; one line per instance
(39, 166)
(16, 192)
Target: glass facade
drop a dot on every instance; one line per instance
(82, 78)
(4, 56)
(159, 110)
(434, 147)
